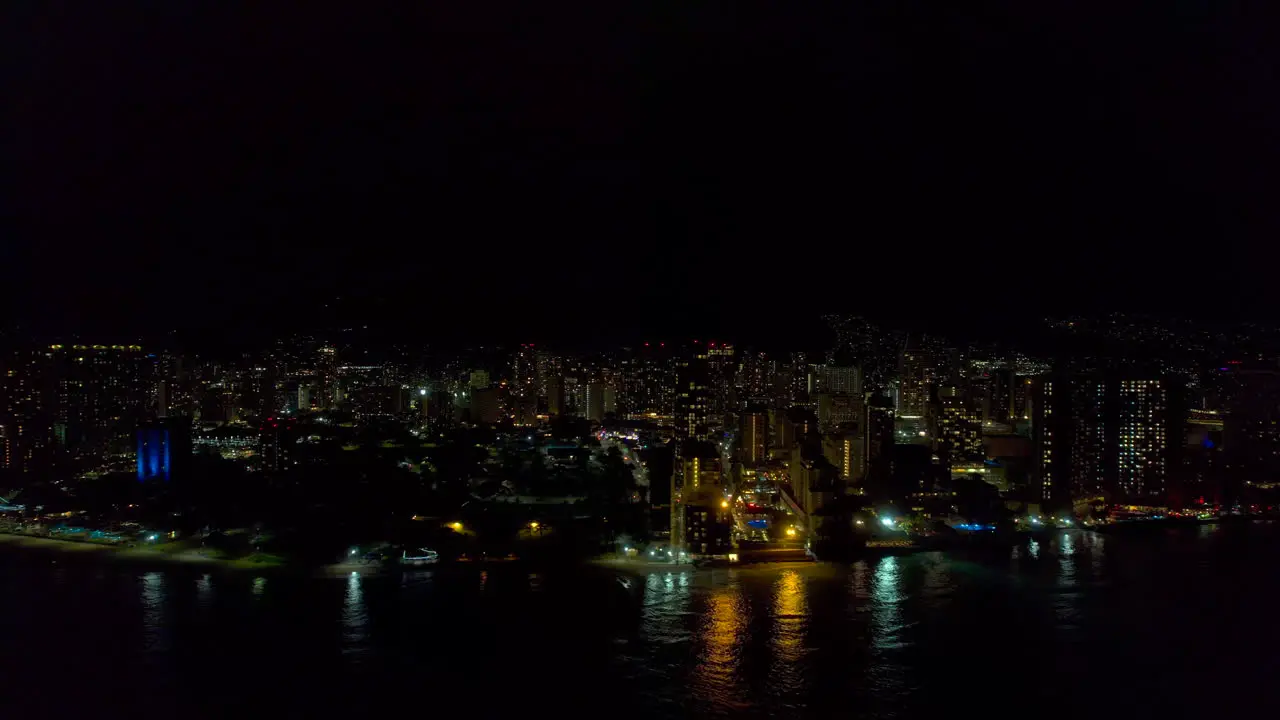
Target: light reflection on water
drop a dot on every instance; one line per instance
(1066, 604)
(790, 621)
(155, 627)
(886, 636)
(204, 590)
(723, 624)
(886, 599)
(355, 618)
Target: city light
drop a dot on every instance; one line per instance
(457, 526)
(886, 521)
(724, 503)
(791, 532)
(533, 525)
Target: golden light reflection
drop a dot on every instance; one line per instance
(790, 616)
(724, 623)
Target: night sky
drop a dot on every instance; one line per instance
(666, 169)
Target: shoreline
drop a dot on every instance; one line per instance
(184, 558)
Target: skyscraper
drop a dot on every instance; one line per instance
(721, 367)
(753, 436)
(326, 378)
(595, 402)
(1108, 434)
(163, 449)
(919, 372)
(700, 518)
(955, 426)
(690, 425)
(524, 372)
(67, 407)
(692, 399)
(834, 379)
(278, 444)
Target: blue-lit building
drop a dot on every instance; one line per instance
(164, 449)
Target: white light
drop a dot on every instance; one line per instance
(886, 521)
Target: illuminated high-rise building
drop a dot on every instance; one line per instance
(690, 424)
(641, 385)
(721, 368)
(546, 367)
(692, 399)
(524, 372)
(844, 450)
(956, 428)
(754, 377)
(326, 378)
(753, 437)
(70, 407)
(163, 449)
(833, 379)
(278, 444)
(918, 374)
(837, 409)
(1108, 434)
(700, 515)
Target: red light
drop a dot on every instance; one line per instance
(695, 342)
(646, 344)
(662, 344)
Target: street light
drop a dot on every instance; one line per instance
(457, 526)
(886, 521)
(791, 532)
(724, 503)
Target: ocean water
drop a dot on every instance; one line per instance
(1179, 622)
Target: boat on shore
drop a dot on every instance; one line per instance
(420, 557)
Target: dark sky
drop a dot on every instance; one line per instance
(669, 168)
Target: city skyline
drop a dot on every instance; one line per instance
(884, 358)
